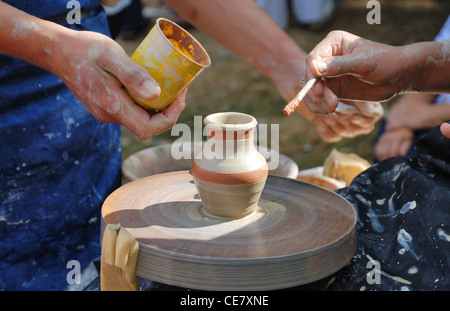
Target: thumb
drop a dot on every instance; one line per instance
(133, 76)
(334, 66)
(334, 56)
(139, 82)
(370, 109)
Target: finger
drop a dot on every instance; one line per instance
(335, 43)
(404, 147)
(370, 109)
(381, 149)
(329, 101)
(362, 121)
(368, 129)
(174, 110)
(327, 133)
(127, 113)
(351, 130)
(445, 129)
(348, 87)
(394, 150)
(337, 127)
(324, 104)
(350, 112)
(132, 116)
(133, 76)
(334, 56)
(317, 89)
(339, 65)
(167, 118)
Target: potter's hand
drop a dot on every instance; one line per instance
(95, 69)
(93, 66)
(353, 68)
(332, 127)
(357, 119)
(350, 122)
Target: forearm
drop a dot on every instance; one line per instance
(29, 38)
(429, 66)
(246, 30)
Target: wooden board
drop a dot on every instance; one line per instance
(299, 234)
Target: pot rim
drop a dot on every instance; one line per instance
(230, 121)
(194, 59)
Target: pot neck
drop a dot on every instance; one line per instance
(230, 134)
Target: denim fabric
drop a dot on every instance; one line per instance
(48, 9)
(57, 166)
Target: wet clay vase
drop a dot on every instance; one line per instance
(229, 173)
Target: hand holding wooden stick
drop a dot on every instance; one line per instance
(293, 104)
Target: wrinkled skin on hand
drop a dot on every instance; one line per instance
(351, 67)
(96, 69)
(332, 127)
(336, 126)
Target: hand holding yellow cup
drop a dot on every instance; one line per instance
(173, 57)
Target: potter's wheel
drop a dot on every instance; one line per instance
(299, 234)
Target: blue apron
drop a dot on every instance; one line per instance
(57, 166)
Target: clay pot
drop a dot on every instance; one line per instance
(159, 159)
(230, 173)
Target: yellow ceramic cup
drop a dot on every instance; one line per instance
(173, 57)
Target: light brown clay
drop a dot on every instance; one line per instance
(227, 224)
(159, 159)
(230, 174)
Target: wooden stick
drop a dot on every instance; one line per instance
(293, 104)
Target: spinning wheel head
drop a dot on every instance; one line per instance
(299, 233)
